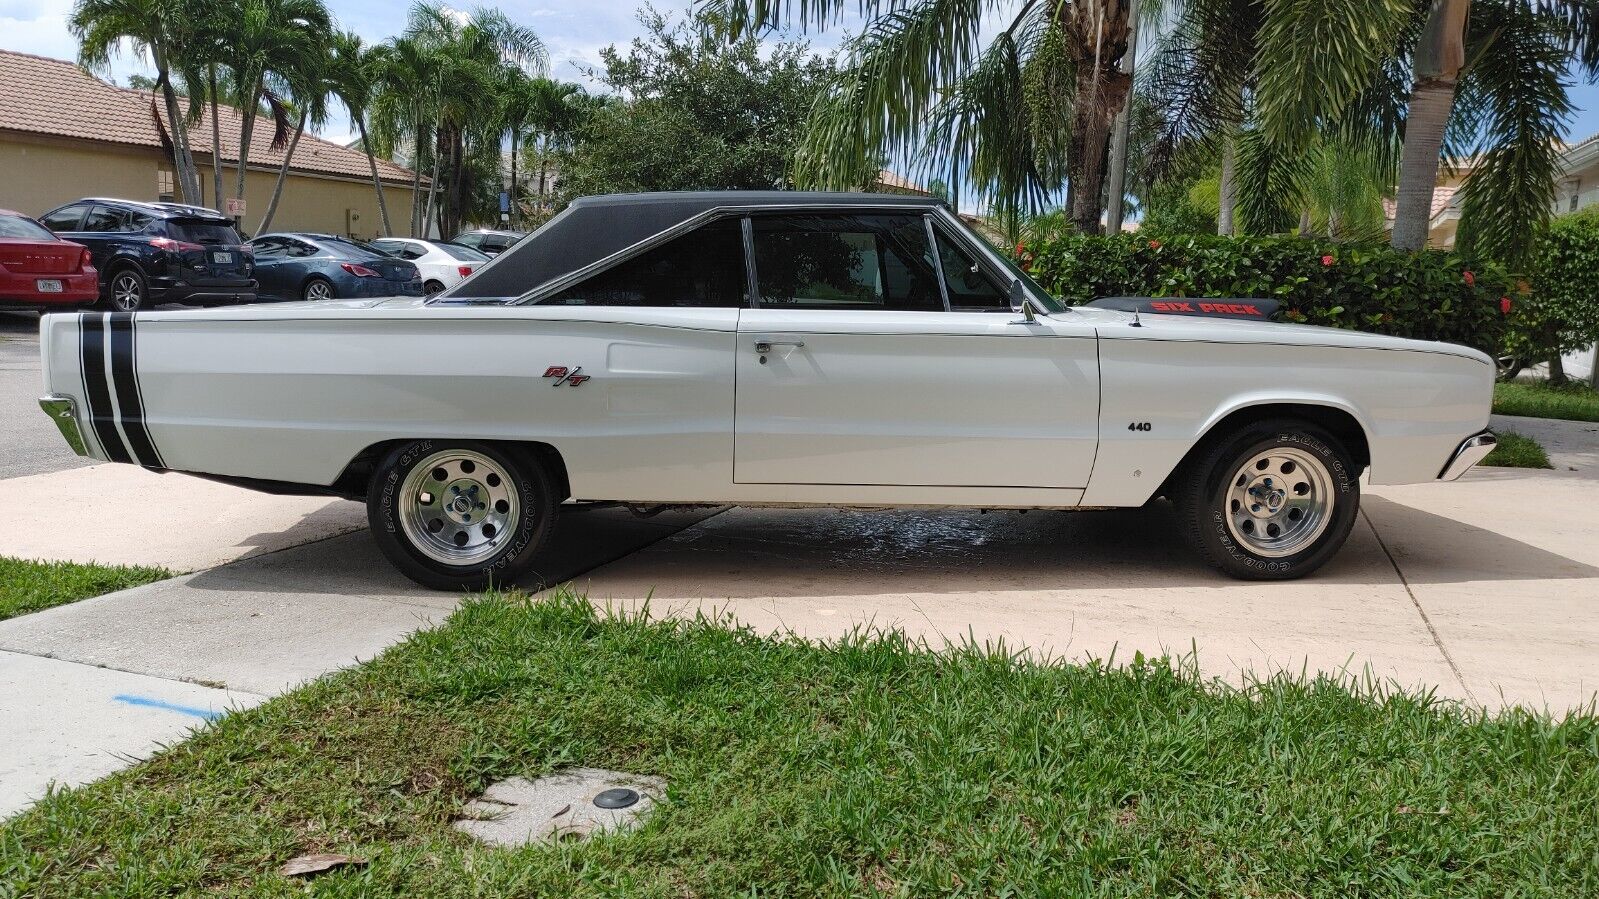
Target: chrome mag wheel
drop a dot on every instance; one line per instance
(1279, 502)
(458, 507)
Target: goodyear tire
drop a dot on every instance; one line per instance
(1273, 501)
(460, 515)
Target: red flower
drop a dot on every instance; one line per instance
(1471, 279)
(1154, 245)
(1504, 305)
(1327, 260)
(1020, 248)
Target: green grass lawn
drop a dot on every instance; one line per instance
(30, 586)
(1576, 402)
(866, 767)
(1517, 451)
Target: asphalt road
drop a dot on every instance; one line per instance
(29, 442)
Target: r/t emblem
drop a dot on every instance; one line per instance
(564, 375)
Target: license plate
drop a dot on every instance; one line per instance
(48, 285)
(222, 258)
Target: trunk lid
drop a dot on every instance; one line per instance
(40, 257)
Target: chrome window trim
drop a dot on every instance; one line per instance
(938, 260)
(957, 231)
(555, 285)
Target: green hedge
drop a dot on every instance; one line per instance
(1432, 295)
(1562, 313)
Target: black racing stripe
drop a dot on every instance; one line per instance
(130, 405)
(96, 390)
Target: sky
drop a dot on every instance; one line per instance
(573, 30)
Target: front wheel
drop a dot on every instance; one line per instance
(1274, 501)
(460, 515)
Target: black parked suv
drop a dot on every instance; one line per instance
(150, 253)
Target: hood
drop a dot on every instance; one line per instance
(1119, 325)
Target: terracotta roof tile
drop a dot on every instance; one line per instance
(55, 97)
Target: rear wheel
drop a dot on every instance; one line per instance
(317, 289)
(433, 287)
(1274, 501)
(460, 515)
(126, 291)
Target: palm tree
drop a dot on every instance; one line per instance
(352, 81)
(269, 39)
(158, 27)
(473, 54)
(548, 109)
(309, 80)
(1020, 116)
(405, 75)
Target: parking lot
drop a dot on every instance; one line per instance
(1484, 589)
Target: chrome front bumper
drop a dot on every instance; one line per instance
(1469, 453)
(64, 412)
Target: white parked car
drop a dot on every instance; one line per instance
(443, 265)
(768, 348)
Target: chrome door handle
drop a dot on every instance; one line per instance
(765, 346)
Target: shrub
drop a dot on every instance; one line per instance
(1433, 295)
(1561, 313)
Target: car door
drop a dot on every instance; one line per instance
(853, 368)
(271, 267)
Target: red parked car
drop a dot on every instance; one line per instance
(39, 269)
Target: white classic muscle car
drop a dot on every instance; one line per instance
(767, 348)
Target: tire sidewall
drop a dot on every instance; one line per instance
(1211, 517)
(126, 271)
(533, 495)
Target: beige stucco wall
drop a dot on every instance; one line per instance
(39, 174)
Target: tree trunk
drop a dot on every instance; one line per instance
(185, 172)
(1116, 193)
(1557, 370)
(1439, 57)
(416, 181)
(283, 174)
(1226, 224)
(511, 191)
(433, 193)
(377, 183)
(216, 145)
(247, 114)
(1099, 33)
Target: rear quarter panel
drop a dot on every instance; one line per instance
(295, 394)
(1414, 405)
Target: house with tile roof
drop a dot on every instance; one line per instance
(65, 134)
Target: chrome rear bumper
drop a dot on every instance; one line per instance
(1469, 453)
(64, 412)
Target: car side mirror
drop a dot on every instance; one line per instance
(1018, 300)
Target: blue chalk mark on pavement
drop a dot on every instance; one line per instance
(147, 702)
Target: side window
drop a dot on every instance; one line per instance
(136, 222)
(970, 287)
(66, 219)
(704, 268)
(298, 249)
(470, 240)
(830, 261)
(268, 248)
(103, 219)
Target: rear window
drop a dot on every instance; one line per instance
(354, 249)
(203, 232)
(28, 229)
(465, 254)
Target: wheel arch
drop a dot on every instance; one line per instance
(1337, 418)
(352, 481)
(116, 265)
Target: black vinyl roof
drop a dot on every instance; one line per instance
(593, 228)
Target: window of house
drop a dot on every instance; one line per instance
(163, 185)
(834, 261)
(704, 268)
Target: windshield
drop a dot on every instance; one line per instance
(465, 254)
(203, 232)
(1044, 297)
(26, 228)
